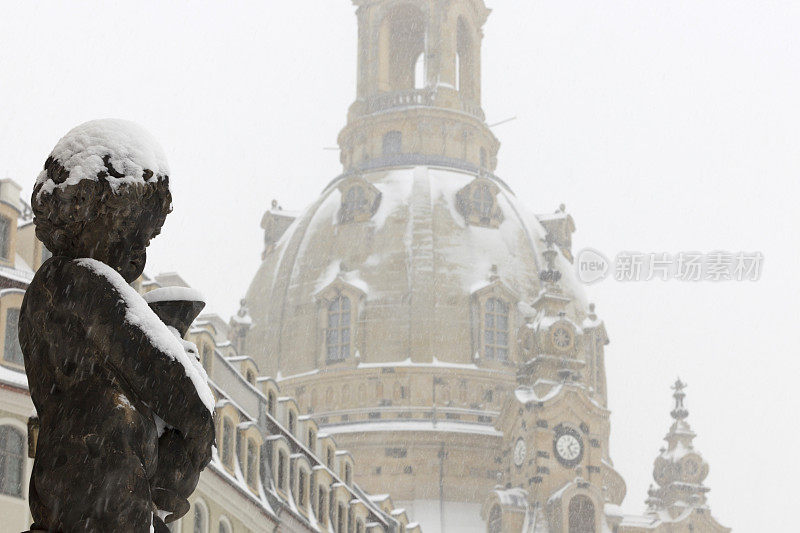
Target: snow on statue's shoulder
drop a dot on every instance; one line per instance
(140, 315)
(133, 155)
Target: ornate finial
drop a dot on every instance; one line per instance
(562, 208)
(550, 275)
(274, 203)
(680, 412)
(493, 273)
(242, 307)
(592, 314)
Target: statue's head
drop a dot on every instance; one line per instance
(103, 193)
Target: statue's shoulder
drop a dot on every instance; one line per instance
(67, 277)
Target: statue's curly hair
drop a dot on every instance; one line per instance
(60, 216)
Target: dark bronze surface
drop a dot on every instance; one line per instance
(96, 379)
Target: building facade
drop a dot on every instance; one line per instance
(422, 314)
(273, 468)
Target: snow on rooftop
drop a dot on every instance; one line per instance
(445, 426)
(19, 272)
(336, 270)
(527, 394)
(13, 377)
(129, 148)
(395, 188)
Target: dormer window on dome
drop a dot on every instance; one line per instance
(495, 329)
(493, 306)
(337, 336)
(360, 200)
(339, 303)
(477, 202)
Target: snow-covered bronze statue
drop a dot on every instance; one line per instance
(125, 410)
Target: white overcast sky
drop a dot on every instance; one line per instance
(664, 125)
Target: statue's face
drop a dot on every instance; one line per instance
(120, 242)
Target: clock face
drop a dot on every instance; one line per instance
(562, 338)
(568, 447)
(519, 452)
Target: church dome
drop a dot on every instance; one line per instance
(412, 250)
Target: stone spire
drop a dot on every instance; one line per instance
(679, 470)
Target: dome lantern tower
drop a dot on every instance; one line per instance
(419, 87)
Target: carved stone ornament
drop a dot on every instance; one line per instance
(477, 203)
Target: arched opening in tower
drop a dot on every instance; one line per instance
(581, 515)
(465, 61)
(402, 49)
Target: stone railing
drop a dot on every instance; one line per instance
(472, 108)
(414, 97)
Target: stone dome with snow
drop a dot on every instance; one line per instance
(418, 252)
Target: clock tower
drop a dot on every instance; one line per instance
(556, 469)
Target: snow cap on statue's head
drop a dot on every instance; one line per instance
(100, 168)
(118, 151)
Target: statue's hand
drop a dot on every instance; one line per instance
(199, 440)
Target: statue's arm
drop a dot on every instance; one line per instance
(140, 348)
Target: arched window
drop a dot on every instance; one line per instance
(227, 442)
(338, 333)
(224, 526)
(200, 517)
(495, 329)
(302, 488)
(341, 518)
(348, 474)
(329, 457)
(252, 462)
(292, 422)
(419, 72)
(312, 440)
(322, 511)
(271, 400)
(495, 524)
(458, 71)
(5, 239)
(12, 352)
(359, 526)
(250, 376)
(581, 515)
(282, 475)
(392, 143)
(12, 460)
